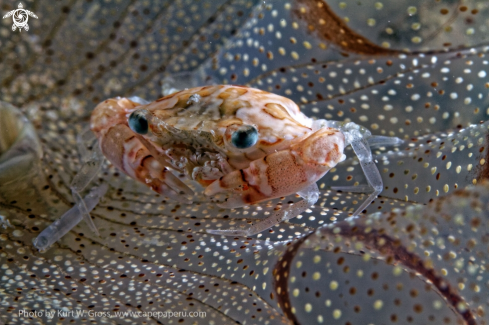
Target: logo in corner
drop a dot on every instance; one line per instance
(20, 17)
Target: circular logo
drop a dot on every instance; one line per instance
(20, 17)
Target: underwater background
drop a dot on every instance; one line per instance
(417, 70)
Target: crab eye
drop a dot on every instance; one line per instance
(244, 137)
(138, 122)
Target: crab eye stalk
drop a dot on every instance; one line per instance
(138, 121)
(244, 137)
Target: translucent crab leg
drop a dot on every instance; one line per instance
(380, 140)
(92, 162)
(68, 220)
(373, 141)
(353, 189)
(362, 150)
(310, 195)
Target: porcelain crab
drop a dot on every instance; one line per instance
(247, 143)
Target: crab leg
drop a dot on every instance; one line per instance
(358, 130)
(92, 162)
(380, 140)
(362, 150)
(361, 139)
(353, 189)
(371, 171)
(68, 220)
(373, 141)
(310, 195)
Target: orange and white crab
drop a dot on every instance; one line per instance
(245, 142)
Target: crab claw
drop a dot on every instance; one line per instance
(126, 150)
(163, 181)
(284, 172)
